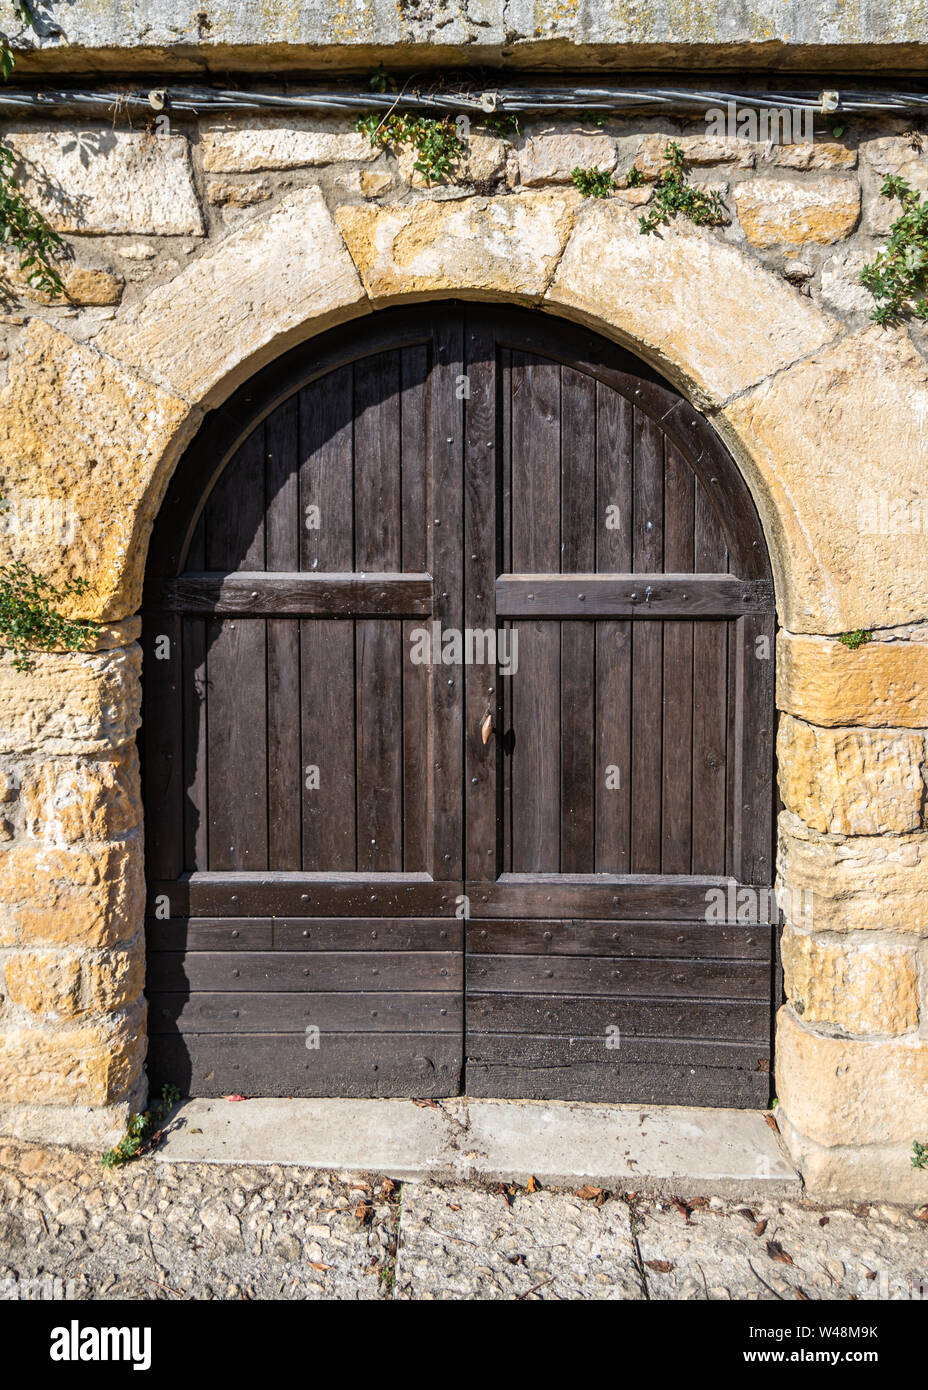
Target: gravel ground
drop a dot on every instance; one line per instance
(70, 1229)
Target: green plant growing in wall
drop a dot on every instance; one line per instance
(919, 1155)
(898, 278)
(593, 183)
(23, 229)
(28, 618)
(144, 1131)
(435, 140)
(674, 196)
(858, 638)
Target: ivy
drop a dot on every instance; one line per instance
(898, 278)
(674, 196)
(435, 140)
(28, 620)
(144, 1131)
(593, 183)
(858, 638)
(22, 228)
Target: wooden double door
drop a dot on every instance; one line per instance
(457, 731)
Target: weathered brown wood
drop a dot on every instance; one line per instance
(260, 595)
(307, 970)
(305, 934)
(253, 1012)
(280, 1064)
(591, 1015)
(688, 940)
(655, 979)
(671, 595)
(331, 809)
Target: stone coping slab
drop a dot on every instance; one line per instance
(560, 1143)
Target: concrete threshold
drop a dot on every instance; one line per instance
(663, 1148)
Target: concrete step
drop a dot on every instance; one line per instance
(560, 1143)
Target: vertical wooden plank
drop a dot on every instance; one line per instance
(195, 714)
(282, 545)
(647, 652)
(710, 704)
(535, 508)
(482, 682)
(162, 735)
(378, 644)
(614, 477)
(504, 542)
(327, 658)
(445, 536)
(236, 674)
(414, 370)
(753, 810)
(677, 703)
(578, 640)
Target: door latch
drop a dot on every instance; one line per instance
(486, 728)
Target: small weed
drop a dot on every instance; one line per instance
(919, 1155)
(858, 638)
(503, 125)
(593, 183)
(144, 1130)
(674, 196)
(898, 278)
(27, 619)
(436, 142)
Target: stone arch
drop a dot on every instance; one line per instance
(821, 420)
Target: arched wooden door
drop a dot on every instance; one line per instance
(458, 729)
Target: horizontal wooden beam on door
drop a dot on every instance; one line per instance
(260, 594)
(630, 596)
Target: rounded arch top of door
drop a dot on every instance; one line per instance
(469, 629)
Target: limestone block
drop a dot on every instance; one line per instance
(281, 142)
(847, 1091)
(72, 799)
(703, 311)
(853, 781)
(90, 896)
(80, 432)
(63, 984)
(484, 247)
(848, 883)
(816, 440)
(878, 684)
(89, 1064)
(552, 156)
(264, 287)
(102, 180)
(778, 211)
(859, 988)
(70, 703)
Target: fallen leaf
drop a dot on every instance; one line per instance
(682, 1208)
(776, 1252)
(760, 1227)
(533, 1185)
(454, 1206)
(801, 1294)
(363, 1213)
(388, 1187)
(921, 1214)
(426, 1104)
(588, 1193)
(660, 1266)
(316, 1264)
(235, 1097)
(516, 1259)
(747, 1213)
(772, 1123)
(824, 1220)
(699, 1204)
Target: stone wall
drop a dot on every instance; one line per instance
(201, 252)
